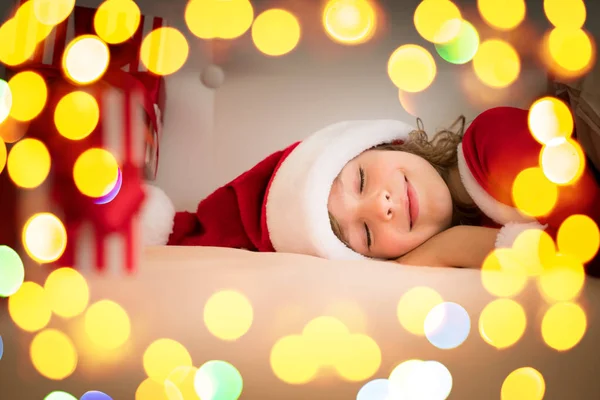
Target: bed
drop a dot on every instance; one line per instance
(166, 299)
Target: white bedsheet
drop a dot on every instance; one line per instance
(165, 298)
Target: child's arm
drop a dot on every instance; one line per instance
(460, 246)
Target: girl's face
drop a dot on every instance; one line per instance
(389, 202)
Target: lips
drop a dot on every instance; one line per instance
(413, 202)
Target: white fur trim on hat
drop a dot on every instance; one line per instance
(156, 216)
(297, 214)
(509, 232)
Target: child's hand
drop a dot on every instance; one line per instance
(459, 246)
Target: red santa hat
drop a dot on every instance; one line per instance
(281, 203)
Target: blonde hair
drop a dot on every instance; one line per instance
(441, 153)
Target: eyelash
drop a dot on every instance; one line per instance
(361, 173)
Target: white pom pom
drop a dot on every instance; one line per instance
(509, 232)
(157, 217)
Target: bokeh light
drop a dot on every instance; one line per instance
(562, 161)
(377, 389)
(3, 155)
(550, 118)
(11, 130)
(85, 59)
(5, 100)
(411, 68)
(533, 194)
(95, 395)
(53, 354)
(562, 278)
(523, 383)
(110, 196)
(95, 172)
(163, 356)
(28, 163)
(180, 384)
(414, 306)
(1, 347)
(116, 21)
(323, 335)
(416, 379)
(76, 115)
(44, 237)
(349, 22)
(563, 326)
(497, 63)
(29, 308)
(276, 32)
(219, 19)
(502, 273)
(292, 362)
(12, 271)
(533, 248)
(228, 315)
(463, 47)
(502, 323)
(447, 325)
(360, 358)
(579, 237)
(569, 52)
(565, 14)
(164, 51)
(29, 95)
(67, 292)
(107, 324)
(150, 389)
(52, 12)
(60, 395)
(21, 34)
(218, 380)
(437, 21)
(504, 15)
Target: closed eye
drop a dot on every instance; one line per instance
(361, 173)
(368, 234)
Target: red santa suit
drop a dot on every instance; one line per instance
(281, 203)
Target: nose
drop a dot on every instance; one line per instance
(382, 206)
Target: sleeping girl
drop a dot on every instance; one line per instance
(381, 189)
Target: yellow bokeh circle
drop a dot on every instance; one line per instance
(562, 278)
(437, 21)
(565, 14)
(276, 32)
(2, 155)
(228, 315)
(29, 308)
(292, 362)
(502, 15)
(53, 354)
(349, 21)
(44, 237)
(502, 323)
(52, 12)
(95, 172)
(523, 383)
(579, 237)
(85, 59)
(414, 306)
(502, 273)
(497, 63)
(534, 248)
(29, 95)
(180, 383)
(150, 389)
(219, 19)
(562, 161)
(164, 51)
(360, 358)
(76, 115)
(411, 68)
(533, 193)
(107, 324)
(163, 356)
(67, 292)
(571, 49)
(116, 21)
(325, 337)
(550, 118)
(563, 326)
(28, 163)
